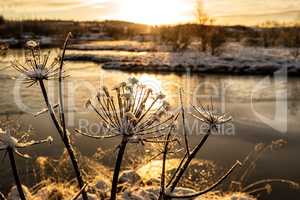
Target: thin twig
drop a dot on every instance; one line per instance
(177, 169)
(2, 197)
(79, 192)
(184, 124)
(60, 86)
(265, 181)
(163, 171)
(251, 165)
(258, 190)
(196, 194)
(44, 111)
(188, 160)
(96, 137)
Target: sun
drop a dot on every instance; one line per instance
(154, 12)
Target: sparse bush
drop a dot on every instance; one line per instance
(204, 34)
(2, 20)
(270, 33)
(206, 29)
(212, 38)
(178, 37)
(217, 39)
(293, 41)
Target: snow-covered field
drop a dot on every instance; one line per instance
(122, 45)
(235, 58)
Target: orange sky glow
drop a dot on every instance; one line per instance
(153, 11)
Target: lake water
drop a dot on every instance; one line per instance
(263, 109)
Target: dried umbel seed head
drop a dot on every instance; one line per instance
(88, 103)
(210, 117)
(37, 66)
(32, 44)
(133, 81)
(132, 109)
(259, 147)
(9, 142)
(278, 144)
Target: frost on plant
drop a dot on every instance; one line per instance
(37, 66)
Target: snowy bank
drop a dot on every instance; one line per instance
(234, 60)
(122, 45)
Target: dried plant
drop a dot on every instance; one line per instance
(3, 47)
(2, 197)
(11, 146)
(212, 119)
(238, 182)
(36, 67)
(36, 70)
(132, 112)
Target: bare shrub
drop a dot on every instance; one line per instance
(210, 36)
(204, 36)
(177, 37)
(270, 33)
(217, 40)
(201, 16)
(293, 41)
(2, 20)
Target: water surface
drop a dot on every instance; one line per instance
(251, 100)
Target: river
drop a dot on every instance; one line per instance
(264, 108)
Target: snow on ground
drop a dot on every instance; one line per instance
(235, 59)
(121, 45)
(132, 183)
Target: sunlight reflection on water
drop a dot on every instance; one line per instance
(234, 91)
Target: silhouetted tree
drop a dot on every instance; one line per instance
(294, 42)
(2, 20)
(216, 42)
(205, 31)
(201, 16)
(178, 37)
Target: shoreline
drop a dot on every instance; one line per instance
(165, 62)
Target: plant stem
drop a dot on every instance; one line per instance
(188, 160)
(117, 168)
(65, 139)
(184, 124)
(2, 197)
(199, 193)
(163, 170)
(60, 85)
(15, 173)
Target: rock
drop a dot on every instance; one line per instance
(153, 181)
(130, 177)
(54, 195)
(90, 197)
(14, 194)
(182, 190)
(240, 196)
(229, 196)
(102, 186)
(151, 193)
(141, 194)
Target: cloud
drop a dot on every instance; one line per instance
(103, 9)
(246, 7)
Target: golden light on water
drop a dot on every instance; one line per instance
(152, 83)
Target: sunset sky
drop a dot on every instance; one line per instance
(247, 12)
